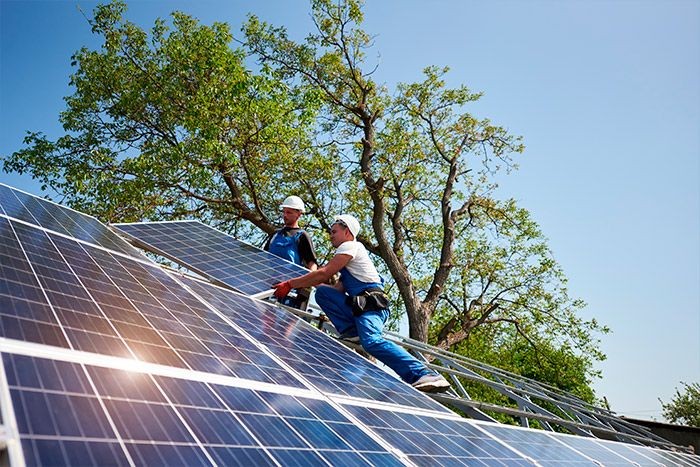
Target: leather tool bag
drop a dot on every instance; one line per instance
(368, 300)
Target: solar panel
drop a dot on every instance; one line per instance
(52, 216)
(555, 449)
(611, 453)
(107, 358)
(329, 367)
(77, 414)
(433, 440)
(88, 299)
(213, 254)
(645, 456)
(549, 451)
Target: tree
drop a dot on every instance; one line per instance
(684, 407)
(420, 173)
(177, 126)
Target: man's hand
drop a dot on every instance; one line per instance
(282, 289)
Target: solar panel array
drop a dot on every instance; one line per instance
(213, 254)
(109, 359)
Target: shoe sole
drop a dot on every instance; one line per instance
(433, 388)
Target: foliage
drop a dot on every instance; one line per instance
(420, 173)
(684, 407)
(508, 279)
(173, 124)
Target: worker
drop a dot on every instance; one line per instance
(357, 305)
(294, 244)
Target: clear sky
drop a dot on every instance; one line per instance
(605, 93)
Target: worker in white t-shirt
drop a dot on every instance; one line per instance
(358, 307)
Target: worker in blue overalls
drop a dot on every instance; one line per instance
(294, 244)
(358, 307)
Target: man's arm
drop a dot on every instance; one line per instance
(319, 276)
(307, 252)
(322, 274)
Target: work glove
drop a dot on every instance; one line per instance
(282, 289)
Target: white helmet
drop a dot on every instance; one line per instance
(293, 202)
(350, 222)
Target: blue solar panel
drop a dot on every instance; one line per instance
(648, 457)
(52, 216)
(77, 414)
(433, 440)
(552, 449)
(610, 453)
(109, 359)
(213, 254)
(84, 298)
(330, 367)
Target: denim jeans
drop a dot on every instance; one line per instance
(369, 326)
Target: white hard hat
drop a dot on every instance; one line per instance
(293, 202)
(350, 222)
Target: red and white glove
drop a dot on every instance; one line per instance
(282, 289)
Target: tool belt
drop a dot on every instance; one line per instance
(369, 300)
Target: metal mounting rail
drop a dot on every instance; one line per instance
(552, 408)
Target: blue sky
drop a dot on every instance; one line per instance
(605, 93)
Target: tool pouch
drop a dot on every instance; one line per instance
(368, 300)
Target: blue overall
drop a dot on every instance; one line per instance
(369, 326)
(286, 247)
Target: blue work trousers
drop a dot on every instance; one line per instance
(369, 326)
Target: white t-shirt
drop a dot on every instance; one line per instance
(360, 266)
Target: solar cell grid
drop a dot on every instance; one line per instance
(24, 312)
(213, 254)
(634, 454)
(665, 458)
(112, 305)
(35, 210)
(45, 395)
(431, 440)
(541, 446)
(203, 339)
(78, 300)
(326, 364)
(116, 416)
(606, 452)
